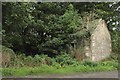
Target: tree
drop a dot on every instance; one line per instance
(16, 17)
(47, 28)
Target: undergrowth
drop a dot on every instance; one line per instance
(58, 69)
(22, 65)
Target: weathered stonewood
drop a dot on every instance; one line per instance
(100, 44)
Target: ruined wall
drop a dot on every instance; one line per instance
(100, 45)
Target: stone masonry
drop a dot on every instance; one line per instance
(100, 42)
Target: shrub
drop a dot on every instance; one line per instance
(56, 65)
(7, 50)
(7, 72)
(29, 61)
(65, 59)
(114, 56)
(110, 63)
(37, 60)
(7, 56)
(89, 63)
(20, 60)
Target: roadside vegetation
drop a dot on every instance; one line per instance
(21, 65)
(59, 68)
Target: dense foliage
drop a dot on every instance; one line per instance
(48, 28)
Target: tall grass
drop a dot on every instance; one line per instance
(21, 65)
(45, 69)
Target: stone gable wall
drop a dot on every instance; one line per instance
(100, 42)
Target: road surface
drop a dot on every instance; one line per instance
(109, 74)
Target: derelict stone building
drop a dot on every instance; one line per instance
(99, 46)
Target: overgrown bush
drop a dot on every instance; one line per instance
(7, 56)
(110, 63)
(66, 59)
(89, 63)
(21, 60)
(7, 50)
(58, 69)
(114, 56)
(56, 65)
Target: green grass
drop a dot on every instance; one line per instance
(44, 69)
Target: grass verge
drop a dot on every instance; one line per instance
(45, 69)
